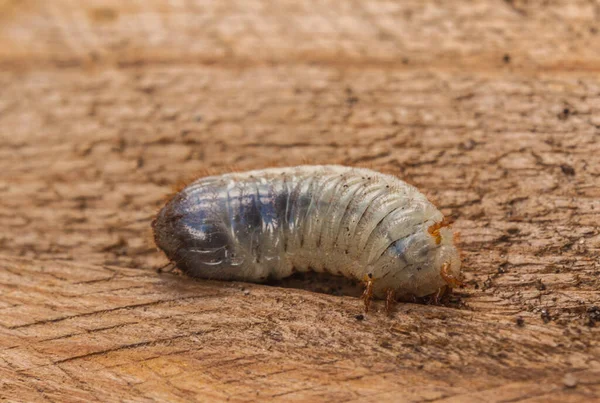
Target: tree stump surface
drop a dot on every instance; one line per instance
(492, 109)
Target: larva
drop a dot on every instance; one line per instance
(267, 224)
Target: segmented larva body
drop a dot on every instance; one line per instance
(269, 223)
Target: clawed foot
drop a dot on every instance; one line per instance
(367, 295)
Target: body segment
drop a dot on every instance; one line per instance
(269, 223)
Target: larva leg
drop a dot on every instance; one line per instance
(167, 268)
(368, 293)
(448, 277)
(390, 300)
(437, 297)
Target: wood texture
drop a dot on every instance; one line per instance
(492, 109)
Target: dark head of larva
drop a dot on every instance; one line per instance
(192, 233)
(164, 230)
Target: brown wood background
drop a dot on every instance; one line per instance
(491, 108)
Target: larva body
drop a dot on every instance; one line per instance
(268, 223)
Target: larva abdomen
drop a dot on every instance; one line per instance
(346, 221)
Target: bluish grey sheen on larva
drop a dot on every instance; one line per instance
(267, 224)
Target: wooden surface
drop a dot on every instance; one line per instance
(491, 108)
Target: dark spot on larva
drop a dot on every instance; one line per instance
(346, 251)
(257, 255)
(506, 58)
(174, 217)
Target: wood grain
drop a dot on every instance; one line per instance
(490, 108)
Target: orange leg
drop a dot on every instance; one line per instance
(368, 293)
(390, 300)
(434, 230)
(449, 277)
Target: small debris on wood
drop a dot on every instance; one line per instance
(467, 145)
(539, 285)
(487, 284)
(570, 381)
(520, 322)
(564, 115)
(352, 100)
(567, 170)
(503, 238)
(593, 315)
(545, 315)
(359, 317)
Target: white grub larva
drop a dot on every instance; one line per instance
(267, 224)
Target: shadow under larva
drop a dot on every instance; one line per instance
(266, 225)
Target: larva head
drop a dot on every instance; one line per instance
(192, 235)
(164, 232)
(421, 263)
(448, 259)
